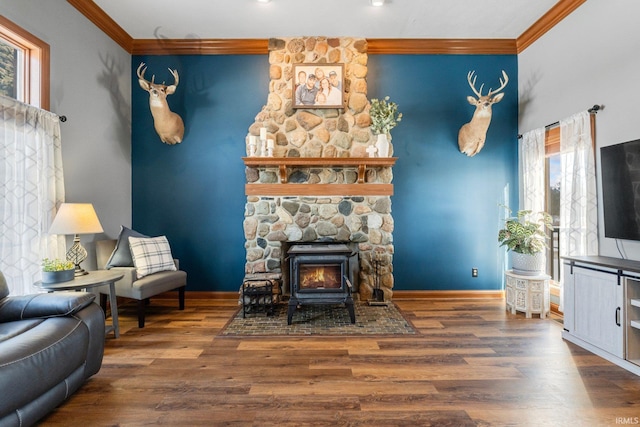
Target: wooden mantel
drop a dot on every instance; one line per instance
(284, 188)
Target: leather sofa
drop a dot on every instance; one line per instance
(50, 344)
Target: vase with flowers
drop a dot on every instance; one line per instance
(384, 117)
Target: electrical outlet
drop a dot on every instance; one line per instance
(474, 272)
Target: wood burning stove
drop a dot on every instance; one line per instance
(319, 274)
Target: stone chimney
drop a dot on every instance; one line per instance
(278, 219)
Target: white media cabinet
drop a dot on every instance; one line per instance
(602, 308)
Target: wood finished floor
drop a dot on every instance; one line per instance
(473, 364)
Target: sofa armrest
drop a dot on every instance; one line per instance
(93, 318)
(43, 305)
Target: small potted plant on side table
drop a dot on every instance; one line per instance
(525, 235)
(57, 270)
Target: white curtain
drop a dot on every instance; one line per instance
(531, 161)
(31, 188)
(578, 198)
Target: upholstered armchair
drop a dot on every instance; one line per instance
(116, 255)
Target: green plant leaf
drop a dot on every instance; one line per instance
(526, 232)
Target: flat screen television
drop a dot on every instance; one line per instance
(620, 165)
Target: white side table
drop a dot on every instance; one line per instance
(529, 294)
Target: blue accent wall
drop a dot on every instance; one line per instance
(445, 206)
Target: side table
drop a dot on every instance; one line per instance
(529, 294)
(92, 280)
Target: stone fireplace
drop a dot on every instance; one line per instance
(320, 185)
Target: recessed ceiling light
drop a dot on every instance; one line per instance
(377, 3)
(264, 1)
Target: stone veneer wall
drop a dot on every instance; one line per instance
(365, 220)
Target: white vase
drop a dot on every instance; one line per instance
(526, 264)
(382, 144)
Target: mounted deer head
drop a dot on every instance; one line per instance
(472, 135)
(168, 124)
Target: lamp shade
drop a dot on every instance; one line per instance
(76, 218)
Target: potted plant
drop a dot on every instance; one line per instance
(525, 235)
(57, 270)
(384, 117)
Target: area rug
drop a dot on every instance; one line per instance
(322, 320)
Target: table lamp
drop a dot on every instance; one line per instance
(76, 219)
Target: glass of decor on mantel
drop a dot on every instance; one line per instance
(384, 117)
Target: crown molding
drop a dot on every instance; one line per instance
(441, 46)
(557, 13)
(95, 14)
(200, 47)
(375, 46)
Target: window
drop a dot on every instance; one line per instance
(9, 71)
(552, 198)
(552, 173)
(24, 65)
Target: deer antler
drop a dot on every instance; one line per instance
(503, 83)
(470, 75)
(176, 78)
(141, 73)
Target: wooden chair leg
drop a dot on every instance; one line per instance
(141, 309)
(181, 297)
(103, 303)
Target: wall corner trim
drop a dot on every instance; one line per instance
(95, 14)
(557, 13)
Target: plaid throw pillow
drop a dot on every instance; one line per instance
(151, 255)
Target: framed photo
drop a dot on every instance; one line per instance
(318, 86)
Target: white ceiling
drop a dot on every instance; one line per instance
(231, 19)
